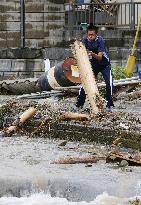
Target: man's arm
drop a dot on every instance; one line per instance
(101, 50)
(96, 56)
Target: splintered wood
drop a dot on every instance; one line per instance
(87, 77)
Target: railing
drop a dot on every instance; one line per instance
(117, 15)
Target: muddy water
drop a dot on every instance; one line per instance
(28, 176)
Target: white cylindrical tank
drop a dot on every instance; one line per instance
(46, 64)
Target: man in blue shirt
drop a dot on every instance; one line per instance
(100, 62)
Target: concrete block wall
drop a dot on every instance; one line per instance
(44, 28)
(20, 68)
(31, 59)
(9, 23)
(44, 23)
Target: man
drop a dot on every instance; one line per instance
(100, 62)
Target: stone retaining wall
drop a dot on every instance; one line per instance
(31, 60)
(44, 23)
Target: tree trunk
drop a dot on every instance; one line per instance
(87, 77)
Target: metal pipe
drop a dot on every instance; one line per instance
(126, 81)
(22, 25)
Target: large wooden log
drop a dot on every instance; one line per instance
(18, 122)
(74, 116)
(87, 77)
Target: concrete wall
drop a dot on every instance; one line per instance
(30, 64)
(44, 23)
(119, 44)
(44, 28)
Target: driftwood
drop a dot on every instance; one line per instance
(78, 160)
(87, 77)
(74, 116)
(113, 157)
(117, 141)
(18, 122)
(132, 95)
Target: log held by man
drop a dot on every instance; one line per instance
(87, 77)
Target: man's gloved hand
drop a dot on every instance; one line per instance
(90, 54)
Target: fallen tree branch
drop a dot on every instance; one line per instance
(6, 132)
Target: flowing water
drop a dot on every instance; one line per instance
(29, 177)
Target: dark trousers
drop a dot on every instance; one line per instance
(106, 73)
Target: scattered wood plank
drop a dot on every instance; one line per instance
(78, 160)
(6, 132)
(117, 141)
(74, 116)
(113, 157)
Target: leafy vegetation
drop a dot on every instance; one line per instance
(118, 73)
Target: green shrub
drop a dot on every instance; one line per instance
(118, 73)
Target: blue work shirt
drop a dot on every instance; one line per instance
(96, 46)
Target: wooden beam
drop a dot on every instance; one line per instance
(87, 77)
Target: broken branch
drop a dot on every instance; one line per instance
(18, 122)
